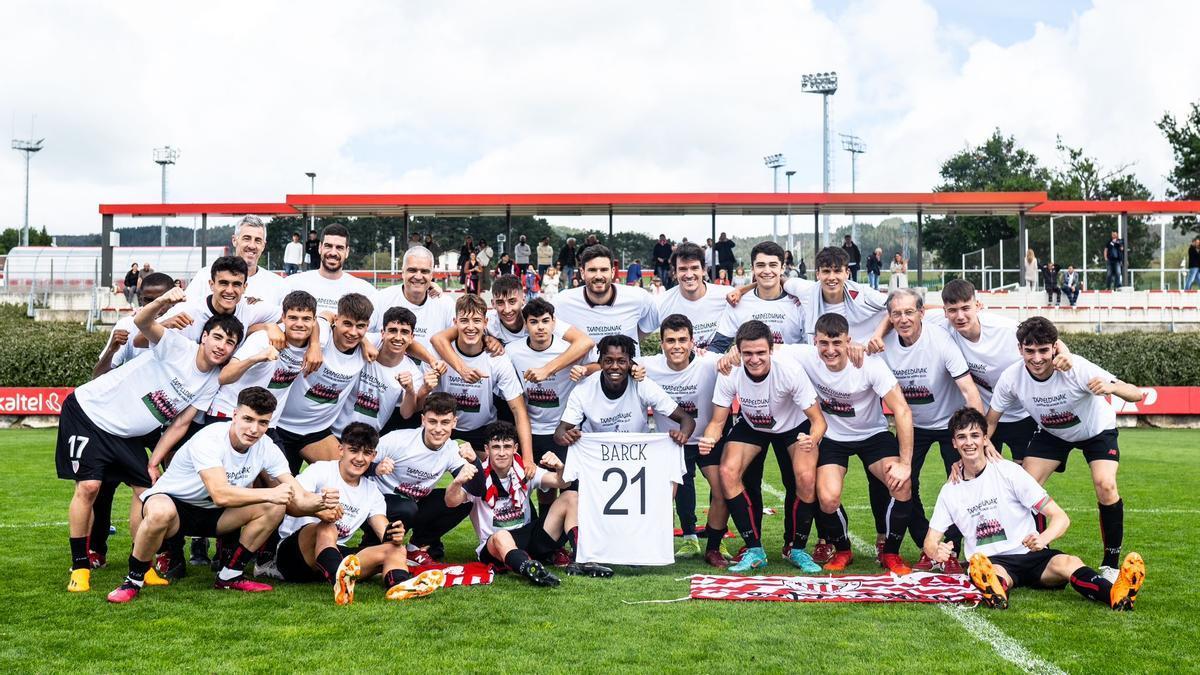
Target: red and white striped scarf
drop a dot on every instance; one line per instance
(491, 484)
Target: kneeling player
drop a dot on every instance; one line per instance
(501, 512)
(313, 548)
(205, 493)
(991, 506)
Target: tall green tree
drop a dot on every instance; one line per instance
(1184, 179)
(10, 238)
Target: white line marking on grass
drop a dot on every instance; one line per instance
(773, 491)
(21, 525)
(865, 507)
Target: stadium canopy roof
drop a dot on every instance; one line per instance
(160, 210)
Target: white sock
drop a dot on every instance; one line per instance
(227, 574)
(691, 537)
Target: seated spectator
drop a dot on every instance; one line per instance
(1070, 285)
(1050, 274)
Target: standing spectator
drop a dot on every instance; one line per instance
(591, 240)
(899, 271)
(1193, 263)
(521, 253)
(656, 287)
(414, 239)
(710, 260)
(131, 285)
(789, 259)
(875, 268)
(1070, 285)
(505, 266)
(484, 255)
(471, 273)
(633, 275)
(1050, 282)
(433, 248)
(530, 281)
(739, 277)
(855, 256)
(803, 269)
(550, 282)
(545, 256)
(1114, 255)
(725, 259)
(662, 254)
(464, 254)
(312, 248)
(1031, 270)
(293, 255)
(790, 271)
(722, 279)
(567, 257)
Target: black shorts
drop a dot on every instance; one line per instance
(1046, 445)
(290, 561)
(86, 452)
(870, 450)
(743, 432)
(194, 521)
(691, 454)
(292, 443)
(1026, 568)
(531, 538)
(1016, 435)
(543, 443)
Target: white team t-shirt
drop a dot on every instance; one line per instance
(1062, 404)
(547, 399)
(783, 315)
(927, 372)
(148, 392)
(329, 291)
(377, 392)
(418, 469)
(505, 513)
(126, 352)
(497, 329)
(262, 286)
(201, 311)
(318, 398)
(863, 306)
(850, 397)
(359, 502)
(433, 316)
(631, 310)
(276, 376)
(704, 313)
(211, 448)
(691, 388)
(590, 409)
(776, 403)
(991, 510)
(626, 510)
(476, 409)
(990, 356)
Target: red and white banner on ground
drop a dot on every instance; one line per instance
(914, 587)
(466, 574)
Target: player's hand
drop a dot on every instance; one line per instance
(1033, 542)
(945, 549)
(173, 296)
(678, 436)
(637, 372)
(578, 373)
(268, 354)
(492, 345)
(572, 436)
(178, 322)
(471, 375)
(431, 378)
(857, 353)
(394, 533)
(369, 351)
(280, 494)
(250, 300)
(154, 472)
(875, 345)
(467, 452)
(733, 297)
(119, 338)
(385, 467)
(439, 366)
(537, 375)
(804, 443)
(732, 359)
(405, 379)
(434, 290)
(530, 469)
(314, 358)
(275, 336)
(990, 452)
(956, 473)
(1101, 387)
(897, 473)
(465, 474)
(330, 498)
(706, 444)
(551, 462)
(1062, 356)
(329, 515)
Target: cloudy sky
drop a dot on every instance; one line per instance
(407, 97)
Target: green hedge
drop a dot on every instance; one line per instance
(45, 354)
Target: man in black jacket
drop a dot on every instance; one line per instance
(1050, 281)
(567, 256)
(662, 254)
(855, 256)
(725, 259)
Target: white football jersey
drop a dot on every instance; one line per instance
(863, 306)
(211, 448)
(1061, 404)
(434, 315)
(590, 409)
(377, 392)
(692, 388)
(418, 468)
(547, 399)
(990, 356)
(774, 404)
(359, 502)
(317, 399)
(631, 310)
(992, 510)
(276, 376)
(328, 291)
(476, 409)
(704, 313)
(849, 397)
(262, 286)
(626, 509)
(927, 372)
(506, 513)
(783, 315)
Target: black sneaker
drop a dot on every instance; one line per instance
(535, 572)
(169, 567)
(436, 551)
(199, 552)
(589, 569)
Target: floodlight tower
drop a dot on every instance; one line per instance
(774, 162)
(162, 157)
(312, 189)
(826, 85)
(27, 147)
(791, 241)
(854, 146)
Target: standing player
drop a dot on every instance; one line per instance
(602, 308)
(206, 492)
(692, 297)
(418, 294)
(411, 462)
(120, 348)
(249, 242)
(330, 282)
(850, 400)
(778, 408)
(935, 381)
(313, 548)
(227, 289)
(107, 423)
(611, 400)
(690, 378)
(768, 302)
(1071, 413)
(991, 506)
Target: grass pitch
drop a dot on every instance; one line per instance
(583, 625)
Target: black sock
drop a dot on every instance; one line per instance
(241, 555)
(1088, 583)
(79, 556)
(515, 558)
(393, 577)
(802, 516)
(137, 570)
(328, 560)
(898, 515)
(714, 538)
(833, 528)
(741, 509)
(573, 538)
(102, 517)
(1112, 532)
(174, 548)
(879, 501)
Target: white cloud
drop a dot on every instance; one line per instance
(551, 97)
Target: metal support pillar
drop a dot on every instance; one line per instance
(1123, 233)
(1083, 267)
(610, 226)
(1051, 240)
(405, 217)
(816, 231)
(714, 237)
(920, 265)
(204, 240)
(1023, 238)
(508, 229)
(106, 252)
